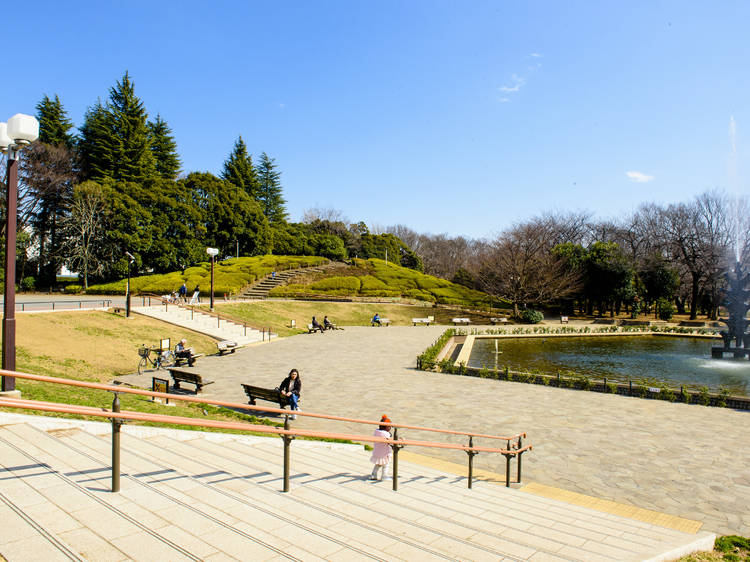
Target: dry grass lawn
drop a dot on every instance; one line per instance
(92, 345)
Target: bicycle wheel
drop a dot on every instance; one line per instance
(142, 364)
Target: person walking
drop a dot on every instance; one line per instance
(182, 293)
(291, 387)
(381, 452)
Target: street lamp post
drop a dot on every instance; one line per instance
(212, 252)
(131, 259)
(18, 132)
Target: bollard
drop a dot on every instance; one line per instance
(287, 445)
(471, 459)
(116, 445)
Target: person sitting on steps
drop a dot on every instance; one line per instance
(327, 324)
(183, 352)
(291, 387)
(376, 319)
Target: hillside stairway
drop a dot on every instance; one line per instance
(207, 324)
(200, 496)
(261, 288)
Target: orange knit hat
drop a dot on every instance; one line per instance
(385, 419)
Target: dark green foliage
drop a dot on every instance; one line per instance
(164, 149)
(115, 142)
(666, 309)
(730, 543)
(54, 125)
(463, 277)
(269, 190)
(239, 170)
(388, 246)
(328, 246)
(608, 276)
(704, 398)
(659, 280)
(427, 359)
(531, 316)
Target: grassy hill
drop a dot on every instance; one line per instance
(376, 278)
(230, 276)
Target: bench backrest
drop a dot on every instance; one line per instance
(187, 377)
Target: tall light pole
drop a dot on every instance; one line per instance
(20, 131)
(212, 252)
(131, 259)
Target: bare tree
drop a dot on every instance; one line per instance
(519, 266)
(329, 214)
(85, 229)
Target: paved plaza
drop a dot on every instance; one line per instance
(686, 460)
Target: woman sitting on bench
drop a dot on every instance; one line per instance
(183, 352)
(291, 387)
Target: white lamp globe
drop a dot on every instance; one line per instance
(23, 129)
(212, 251)
(5, 140)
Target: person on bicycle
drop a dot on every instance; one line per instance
(183, 352)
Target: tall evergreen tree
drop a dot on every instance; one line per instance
(164, 148)
(269, 190)
(54, 125)
(239, 170)
(115, 142)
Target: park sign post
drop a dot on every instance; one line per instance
(213, 252)
(20, 131)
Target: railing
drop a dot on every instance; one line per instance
(192, 308)
(43, 305)
(514, 448)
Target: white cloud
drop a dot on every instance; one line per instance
(639, 177)
(518, 82)
(535, 55)
(282, 105)
(504, 100)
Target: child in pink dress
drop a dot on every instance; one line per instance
(381, 452)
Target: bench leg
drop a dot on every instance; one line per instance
(176, 385)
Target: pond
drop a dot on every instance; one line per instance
(676, 360)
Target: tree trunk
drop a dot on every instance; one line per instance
(694, 296)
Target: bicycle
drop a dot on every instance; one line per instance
(164, 358)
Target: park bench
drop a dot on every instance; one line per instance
(184, 375)
(383, 322)
(119, 309)
(494, 321)
(425, 321)
(226, 346)
(311, 329)
(180, 361)
(563, 319)
(268, 394)
(464, 321)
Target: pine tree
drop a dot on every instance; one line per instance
(115, 141)
(239, 170)
(164, 148)
(54, 125)
(269, 191)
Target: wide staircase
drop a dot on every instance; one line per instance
(261, 288)
(203, 321)
(192, 496)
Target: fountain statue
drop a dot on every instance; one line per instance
(738, 302)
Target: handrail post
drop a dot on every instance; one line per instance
(520, 446)
(471, 459)
(287, 445)
(395, 447)
(116, 445)
(507, 468)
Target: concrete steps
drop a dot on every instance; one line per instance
(261, 288)
(204, 324)
(193, 495)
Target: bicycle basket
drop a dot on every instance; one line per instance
(143, 352)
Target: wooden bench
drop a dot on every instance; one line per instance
(494, 321)
(383, 322)
(311, 329)
(184, 375)
(180, 361)
(425, 321)
(119, 309)
(457, 321)
(268, 394)
(563, 319)
(226, 346)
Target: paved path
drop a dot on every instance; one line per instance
(686, 460)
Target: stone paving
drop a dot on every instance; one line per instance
(686, 460)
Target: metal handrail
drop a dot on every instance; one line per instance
(208, 312)
(118, 417)
(103, 303)
(202, 400)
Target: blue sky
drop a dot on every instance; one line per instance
(456, 117)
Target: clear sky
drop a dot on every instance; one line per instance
(446, 116)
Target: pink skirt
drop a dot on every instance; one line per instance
(381, 454)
